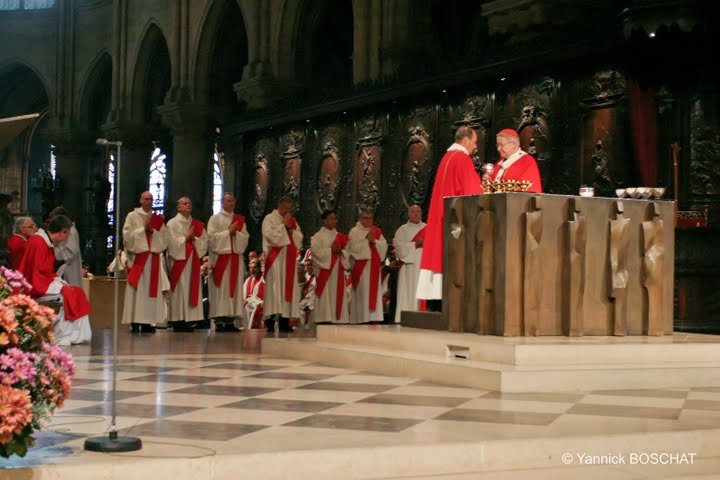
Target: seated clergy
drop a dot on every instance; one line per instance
(24, 229)
(72, 324)
(254, 293)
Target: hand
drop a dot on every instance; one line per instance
(190, 235)
(486, 178)
(419, 242)
(148, 228)
(336, 249)
(371, 236)
(288, 221)
(233, 228)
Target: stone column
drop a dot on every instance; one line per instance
(190, 174)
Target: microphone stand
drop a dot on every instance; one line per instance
(113, 442)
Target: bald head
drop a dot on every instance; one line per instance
(228, 202)
(146, 200)
(414, 214)
(184, 206)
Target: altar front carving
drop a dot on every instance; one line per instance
(523, 264)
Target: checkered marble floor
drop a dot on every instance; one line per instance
(259, 403)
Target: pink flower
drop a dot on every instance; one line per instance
(15, 412)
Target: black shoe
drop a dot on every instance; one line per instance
(230, 328)
(219, 327)
(270, 325)
(201, 324)
(182, 327)
(148, 329)
(135, 327)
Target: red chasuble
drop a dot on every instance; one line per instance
(456, 176)
(37, 266)
(16, 245)
(524, 168)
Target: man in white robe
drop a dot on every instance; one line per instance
(330, 260)
(367, 248)
(408, 244)
(187, 244)
(145, 237)
(254, 292)
(68, 251)
(228, 239)
(282, 238)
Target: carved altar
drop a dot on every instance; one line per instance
(523, 264)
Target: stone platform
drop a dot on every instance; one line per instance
(513, 364)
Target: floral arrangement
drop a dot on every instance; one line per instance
(35, 374)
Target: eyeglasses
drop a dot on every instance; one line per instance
(501, 145)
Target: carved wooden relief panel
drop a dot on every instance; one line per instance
(603, 142)
(476, 112)
(329, 174)
(416, 159)
(704, 147)
(261, 180)
(368, 159)
(293, 144)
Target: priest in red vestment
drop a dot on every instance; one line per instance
(24, 229)
(456, 176)
(514, 163)
(72, 324)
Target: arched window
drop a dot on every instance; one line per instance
(217, 189)
(158, 171)
(26, 4)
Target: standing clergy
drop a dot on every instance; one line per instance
(187, 244)
(282, 239)
(514, 163)
(408, 242)
(228, 239)
(69, 252)
(456, 175)
(145, 237)
(330, 260)
(72, 324)
(367, 248)
(254, 291)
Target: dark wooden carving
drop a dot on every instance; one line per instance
(293, 144)
(328, 177)
(533, 124)
(368, 164)
(704, 145)
(532, 288)
(619, 275)
(476, 113)
(259, 199)
(602, 183)
(416, 166)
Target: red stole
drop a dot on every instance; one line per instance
(290, 259)
(341, 240)
(133, 278)
(375, 262)
(233, 258)
(190, 255)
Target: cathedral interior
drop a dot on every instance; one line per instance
(348, 105)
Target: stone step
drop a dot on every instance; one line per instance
(680, 348)
(495, 376)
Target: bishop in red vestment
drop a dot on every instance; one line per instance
(514, 163)
(456, 176)
(24, 229)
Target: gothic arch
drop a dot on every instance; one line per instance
(95, 97)
(22, 89)
(306, 31)
(221, 53)
(151, 76)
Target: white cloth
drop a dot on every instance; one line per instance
(406, 252)
(220, 242)
(275, 235)
(359, 249)
(139, 306)
(252, 299)
(69, 252)
(67, 332)
(117, 266)
(326, 304)
(180, 308)
(505, 164)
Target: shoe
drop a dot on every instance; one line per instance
(182, 327)
(230, 328)
(135, 327)
(201, 324)
(148, 329)
(219, 327)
